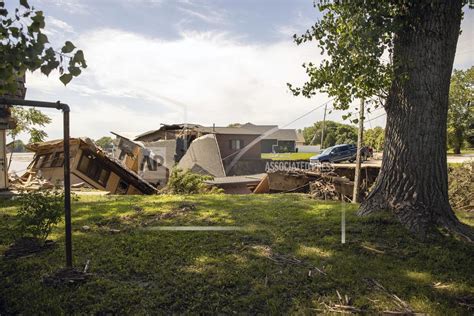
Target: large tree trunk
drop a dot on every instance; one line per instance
(413, 179)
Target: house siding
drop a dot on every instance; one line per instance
(223, 141)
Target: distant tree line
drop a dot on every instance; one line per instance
(334, 133)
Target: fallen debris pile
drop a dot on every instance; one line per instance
(323, 190)
(29, 182)
(68, 276)
(334, 185)
(461, 186)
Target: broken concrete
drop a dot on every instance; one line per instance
(203, 157)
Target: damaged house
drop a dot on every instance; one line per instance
(216, 151)
(89, 164)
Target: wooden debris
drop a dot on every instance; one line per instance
(86, 267)
(373, 249)
(29, 182)
(440, 285)
(68, 276)
(344, 305)
(404, 307)
(263, 186)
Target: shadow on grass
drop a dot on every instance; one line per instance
(138, 271)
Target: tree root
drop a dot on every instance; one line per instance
(422, 221)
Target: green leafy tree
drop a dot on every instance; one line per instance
(374, 138)
(25, 47)
(187, 182)
(16, 146)
(334, 133)
(28, 121)
(398, 53)
(38, 214)
(461, 110)
(104, 142)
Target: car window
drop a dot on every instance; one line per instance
(327, 151)
(344, 148)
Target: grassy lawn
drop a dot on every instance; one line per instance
(288, 156)
(264, 268)
(463, 151)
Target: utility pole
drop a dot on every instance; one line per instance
(3, 161)
(360, 137)
(324, 121)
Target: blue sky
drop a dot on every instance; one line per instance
(201, 61)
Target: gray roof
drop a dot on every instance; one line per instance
(245, 129)
(283, 134)
(228, 130)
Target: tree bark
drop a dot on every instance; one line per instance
(413, 179)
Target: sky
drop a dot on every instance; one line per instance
(199, 61)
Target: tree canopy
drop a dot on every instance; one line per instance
(375, 137)
(357, 38)
(104, 142)
(334, 133)
(25, 46)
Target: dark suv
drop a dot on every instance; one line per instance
(336, 153)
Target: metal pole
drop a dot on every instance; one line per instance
(360, 136)
(3, 161)
(67, 170)
(67, 189)
(324, 121)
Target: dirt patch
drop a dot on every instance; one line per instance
(26, 247)
(181, 210)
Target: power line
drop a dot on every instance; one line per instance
(309, 112)
(376, 117)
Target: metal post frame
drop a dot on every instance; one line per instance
(67, 169)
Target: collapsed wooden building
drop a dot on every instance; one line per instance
(89, 164)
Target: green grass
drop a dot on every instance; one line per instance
(463, 151)
(161, 272)
(288, 156)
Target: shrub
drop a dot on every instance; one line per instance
(187, 182)
(39, 212)
(461, 186)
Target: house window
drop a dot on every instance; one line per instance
(236, 144)
(93, 168)
(122, 187)
(58, 159)
(42, 161)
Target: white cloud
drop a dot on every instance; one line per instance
(465, 49)
(134, 82)
(69, 6)
(58, 31)
(208, 15)
(218, 78)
